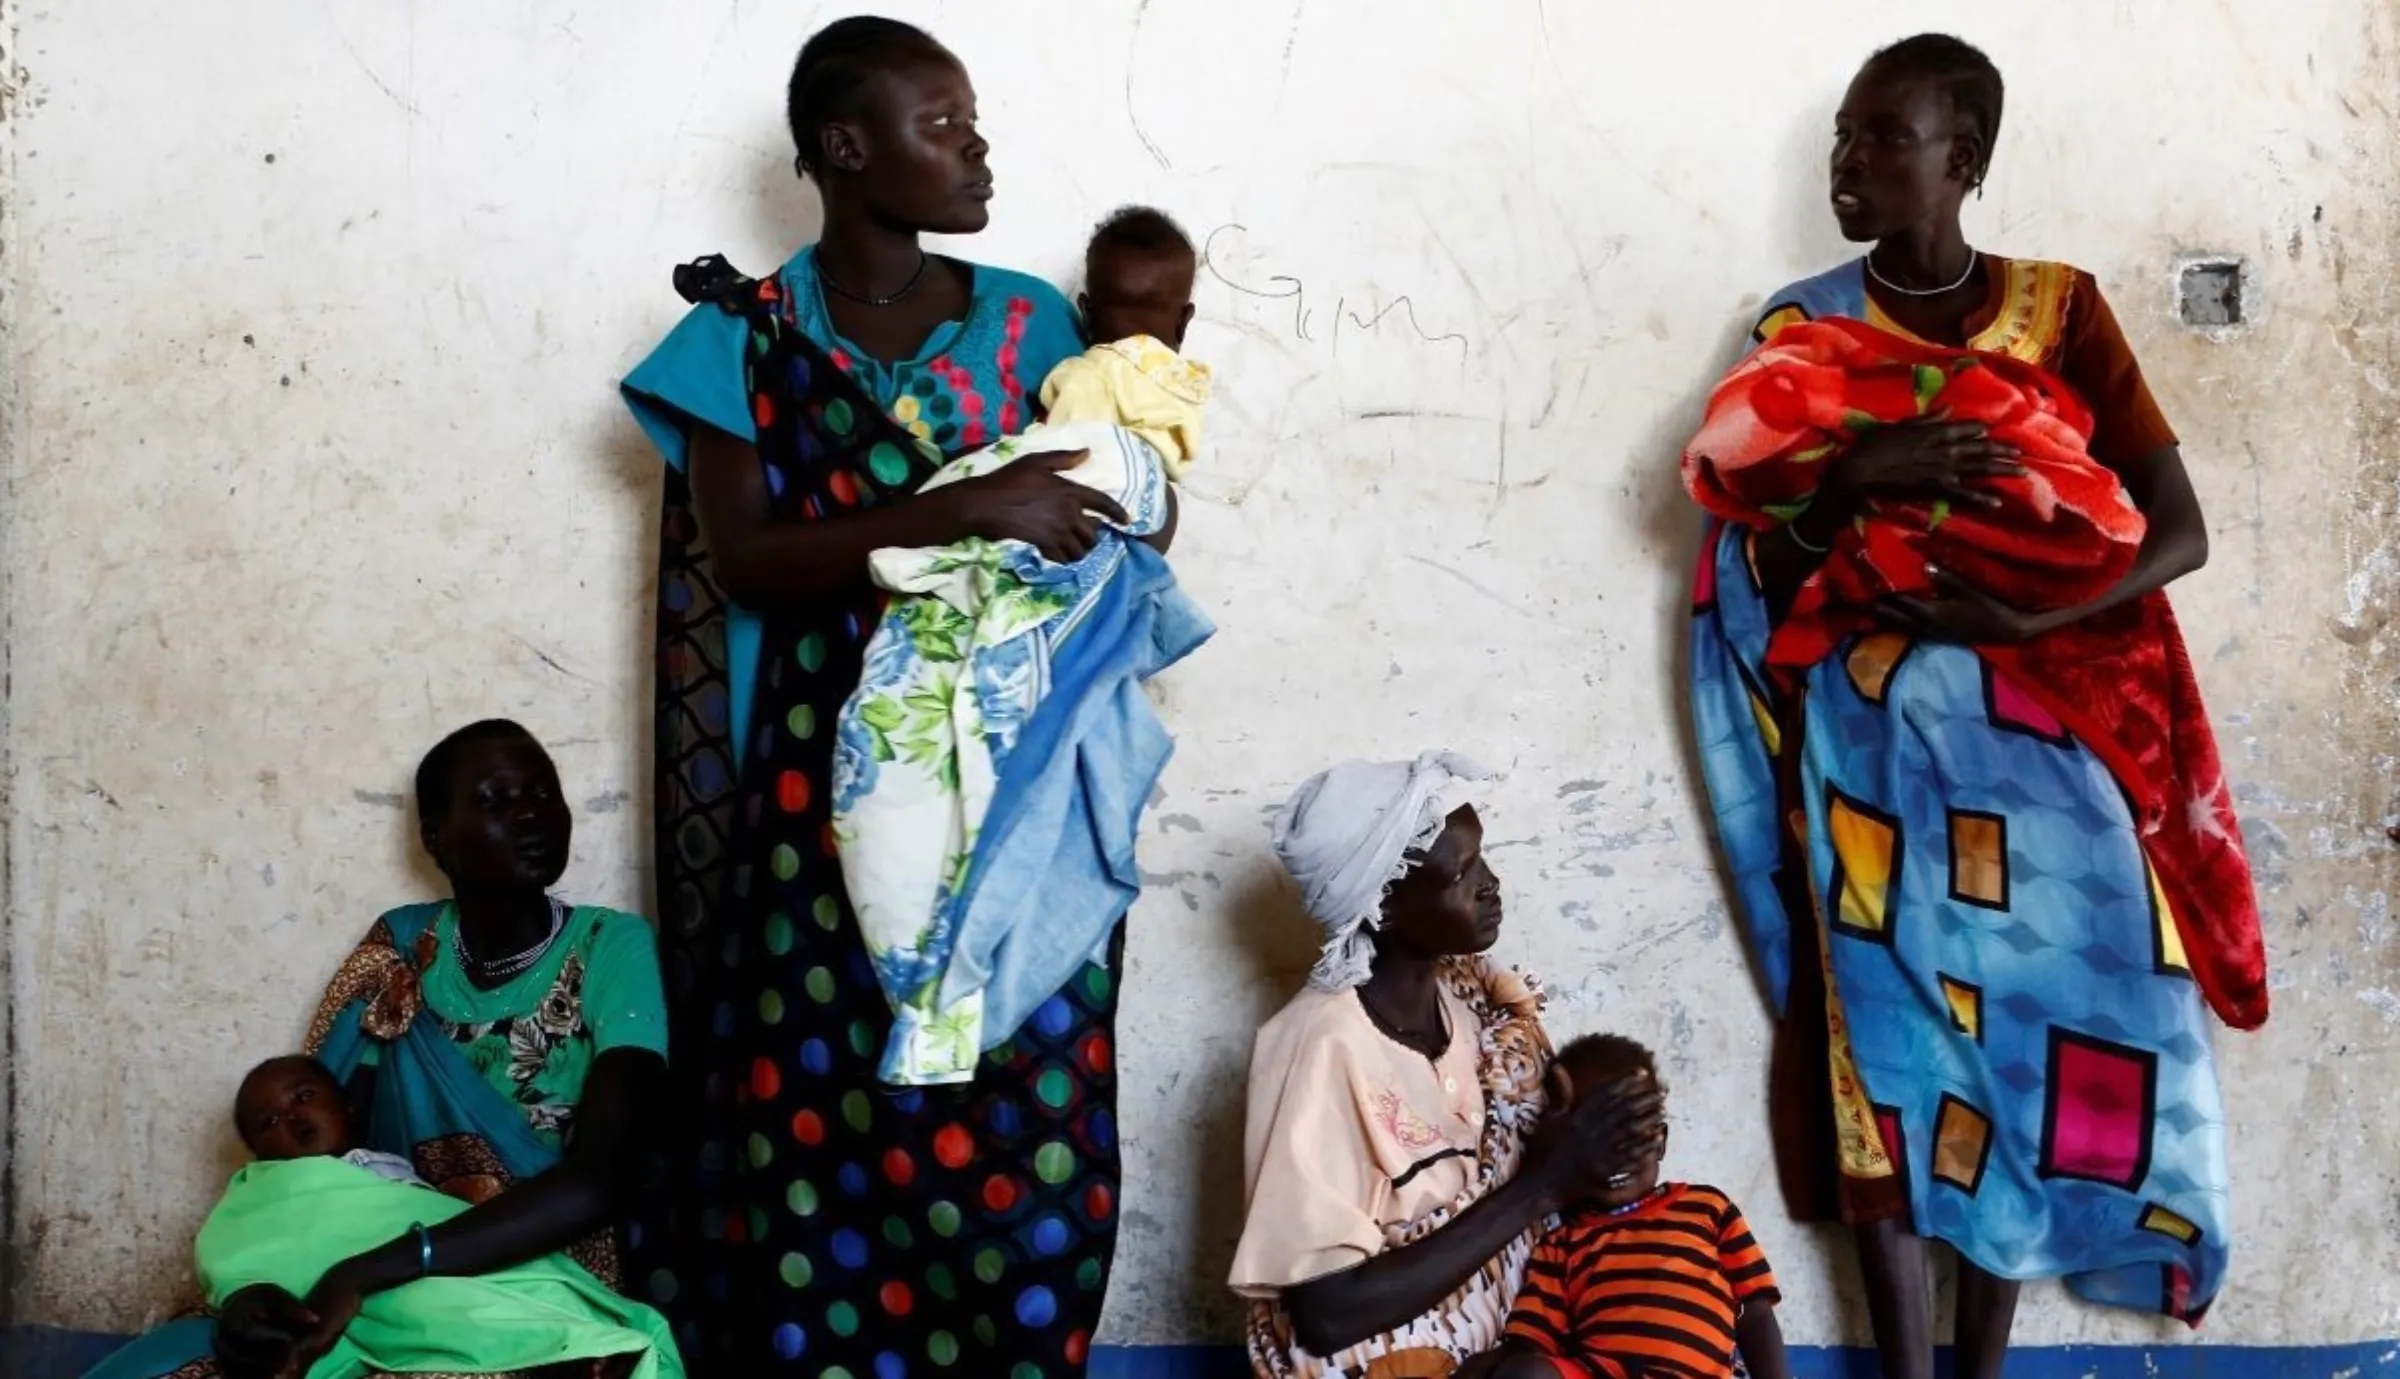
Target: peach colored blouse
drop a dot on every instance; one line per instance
(1349, 1136)
(1356, 1144)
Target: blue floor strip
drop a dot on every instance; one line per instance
(39, 1352)
(2377, 1360)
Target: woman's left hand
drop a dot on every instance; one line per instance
(1963, 614)
(257, 1331)
(336, 1303)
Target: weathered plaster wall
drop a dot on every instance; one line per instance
(11, 417)
(322, 305)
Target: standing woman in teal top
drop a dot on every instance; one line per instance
(818, 1223)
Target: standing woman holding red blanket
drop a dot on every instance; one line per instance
(1957, 757)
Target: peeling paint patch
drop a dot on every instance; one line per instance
(1181, 883)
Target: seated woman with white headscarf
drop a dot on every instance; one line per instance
(1398, 1157)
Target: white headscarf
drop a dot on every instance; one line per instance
(1346, 836)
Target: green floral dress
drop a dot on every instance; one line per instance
(534, 1038)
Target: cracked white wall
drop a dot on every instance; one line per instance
(321, 310)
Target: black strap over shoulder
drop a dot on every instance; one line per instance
(712, 279)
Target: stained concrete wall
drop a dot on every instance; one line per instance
(11, 418)
(319, 311)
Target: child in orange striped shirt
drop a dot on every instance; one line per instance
(1650, 1280)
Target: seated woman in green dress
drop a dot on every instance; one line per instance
(509, 1045)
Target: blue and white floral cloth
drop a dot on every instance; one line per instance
(993, 763)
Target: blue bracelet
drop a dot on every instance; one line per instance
(424, 1249)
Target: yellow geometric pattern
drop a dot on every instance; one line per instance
(1778, 322)
(2158, 1219)
(1768, 732)
(1872, 661)
(1979, 859)
(1961, 1138)
(2171, 956)
(1864, 848)
(1966, 1007)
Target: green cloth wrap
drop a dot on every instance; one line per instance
(287, 1222)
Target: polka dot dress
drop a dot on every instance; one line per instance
(813, 1221)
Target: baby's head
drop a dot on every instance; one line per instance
(1137, 278)
(292, 1108)
(1587, 1067)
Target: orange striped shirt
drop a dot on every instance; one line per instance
(1654, 1291)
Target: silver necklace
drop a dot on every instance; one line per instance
(499, 969)
(1974, 260)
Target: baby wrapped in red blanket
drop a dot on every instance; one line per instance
(2064, 533)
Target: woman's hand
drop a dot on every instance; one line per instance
(258, 1332)
(769, 563)
(1904, 462)
(1603, 1135)
(1029, 501)
(1920, 462)
(335, 1302)
(1962, 614)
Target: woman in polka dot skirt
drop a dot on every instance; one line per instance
(817, 1223)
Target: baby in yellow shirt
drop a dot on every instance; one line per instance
(1131, 392)
(1137, 301)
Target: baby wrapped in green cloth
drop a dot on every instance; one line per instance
(315, 1197)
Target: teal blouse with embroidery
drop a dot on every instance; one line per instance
(534, 1038)
(973, 381)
